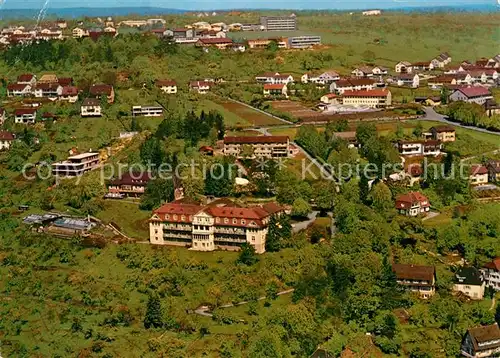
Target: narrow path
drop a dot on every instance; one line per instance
(205, 311)
(493, 303)
(480, 155)
(432, 115)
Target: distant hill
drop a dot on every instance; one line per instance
(79, 12)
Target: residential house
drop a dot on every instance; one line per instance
(371, 12)
(442, 60)
(79, 32)
(49, 90)
(417, 278)
(460, 78)
(76, 165)
(329, 98)
(274, 78)
(412, 204)
(470, 282)
(220, 43)
(420, 147)
(27, 79)
(408, 80)
(147, 111)
(363, 71)
(69, 94)
(481, 342)
(443, 133)
(91, 107)
(18, 89)
(422, 66)
(476, 94)
(352, 84)
(257, 146)
(65, 81)
(208, 228)
(324, 78)
(491, 107)
(201, 87)
(380, 71)
(275, 89)
(130, 184)
(494, 62)
(100, 90)
(478, 175)
(6, 139)
(450, 70)
(491, 274)
(166, 86)
(25, 115)
(375, 98)
(403, 67)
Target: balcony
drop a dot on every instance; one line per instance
(177, 227)
(231, 231)
(167, 235)
(220, 239)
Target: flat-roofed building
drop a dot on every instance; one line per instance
(279, 23)
(147, 111)
(257, 146)
(76, 165)
(304, 41)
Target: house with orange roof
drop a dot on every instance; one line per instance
(275, 89)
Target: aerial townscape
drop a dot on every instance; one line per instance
(250, 183)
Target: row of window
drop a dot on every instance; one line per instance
(217, 220)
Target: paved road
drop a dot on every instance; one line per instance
(304, 224)
(432, 115)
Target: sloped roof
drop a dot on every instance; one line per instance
(469, 276)
(477, 91)
(6, 136)
(405, 201)
(443, 129)
(101, 89)
(494, 265)
(21, 111)
(25, 77)
(367, 93)
(478, 170)
(274, 86)
(481, 336)
(413, 272)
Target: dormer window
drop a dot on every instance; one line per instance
(235, 221)
(226, 220)
(175, 217)
(183, 218)
(167, 217)
(243, 221)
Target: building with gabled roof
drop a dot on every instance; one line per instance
(275, 89)
(27, 79)
(130, 184)
(6, 139)
(100, 90)
(417, 278)
(412, 204)
(470, 282)
(166, 86)
(211, 227)
(476, 94)
(374, 98)
(18, 89)
(25, 115)
(478, 175)
(481, 342)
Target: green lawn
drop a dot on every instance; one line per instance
(231, 120)
(128, 217)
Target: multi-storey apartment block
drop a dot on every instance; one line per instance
(147, 111)
(491, 274)
(76, 165)
(257, 146)
(279, 23)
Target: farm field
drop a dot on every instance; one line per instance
(251, 116)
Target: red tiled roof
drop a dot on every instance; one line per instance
(494, 265)
(138, 179)
(274, 86)
(367, 93)
(65, 81)
(47, 86)
(178, 209)
(4, 135)
(478, 170)
(331, 95)
(25, 77)
(413, 272)
(101, 89)
(195, 84)
(69, 91)
(477, 91)
(21, 111)
(255, 139)
(405, 201)
(16, 87)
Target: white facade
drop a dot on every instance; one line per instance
(147, 111)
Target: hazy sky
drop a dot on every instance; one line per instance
(231, 4)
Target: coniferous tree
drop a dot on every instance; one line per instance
(154, 314)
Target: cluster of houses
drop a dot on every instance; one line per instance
(47, 86)
(21, 34)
